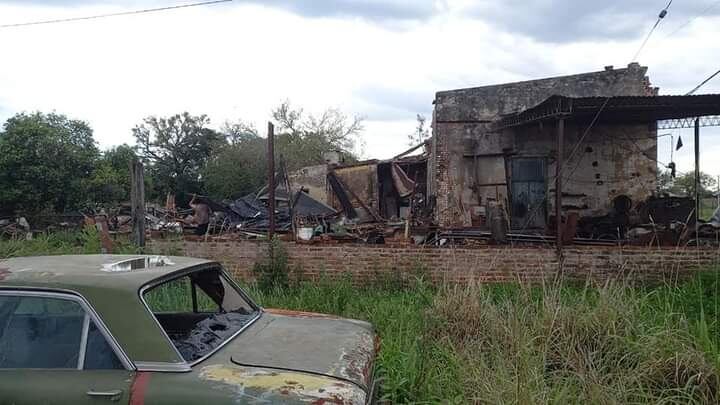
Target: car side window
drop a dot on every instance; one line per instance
(50, 333)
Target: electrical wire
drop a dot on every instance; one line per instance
(691, 20)
(661, 16)
(704, 82)
(122, 13)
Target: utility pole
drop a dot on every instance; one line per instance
(697, 176)
(558, 192)
(271, 179)
(137, 200)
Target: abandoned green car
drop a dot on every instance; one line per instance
(166, 330)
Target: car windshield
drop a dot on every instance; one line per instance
(199, 311)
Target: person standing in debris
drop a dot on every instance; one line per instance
(201, 215)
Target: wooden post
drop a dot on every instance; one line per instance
(558, 191)
(137, 200)
(271, 179)
(697, 176)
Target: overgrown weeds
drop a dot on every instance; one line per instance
(86, 241)
(520, 344)
(272, 271)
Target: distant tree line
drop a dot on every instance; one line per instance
(51, 163)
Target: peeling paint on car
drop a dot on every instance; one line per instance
(4, 273)
(263, 385)
(355, 362)
(298, 314)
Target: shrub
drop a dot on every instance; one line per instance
(272, 271)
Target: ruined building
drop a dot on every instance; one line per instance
(474, 161)
(502, 145)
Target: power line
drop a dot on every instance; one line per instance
(662, 15)
(691, 20)
(123, 13)
(712, 76)
(568, 177)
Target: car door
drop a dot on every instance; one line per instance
(55, 350)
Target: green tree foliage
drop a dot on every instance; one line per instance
(685, 184)
(45, 161)
(177, 149)
(110, 182)
(303, 139)
(238, 167)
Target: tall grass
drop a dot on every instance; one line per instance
(519, 344)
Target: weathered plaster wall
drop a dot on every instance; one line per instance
(312, 178)
(362, 179)
(464, 143)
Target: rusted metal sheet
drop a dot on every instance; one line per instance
(362, 181)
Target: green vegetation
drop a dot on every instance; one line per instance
(542, 344)
(568, 343)
(86, 241)
(50, 163)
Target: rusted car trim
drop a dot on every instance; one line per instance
(184, 366)
(89, 311)
(162, 367)
(298, 314)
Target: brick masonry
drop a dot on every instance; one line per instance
(364, 263)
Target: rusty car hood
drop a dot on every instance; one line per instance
(310, 343)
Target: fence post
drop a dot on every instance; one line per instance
(137, 200)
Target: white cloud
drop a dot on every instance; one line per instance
(239, 61)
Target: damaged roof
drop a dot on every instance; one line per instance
(619, 109)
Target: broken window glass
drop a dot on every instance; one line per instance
(199, 311)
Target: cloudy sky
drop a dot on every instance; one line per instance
(381, 59)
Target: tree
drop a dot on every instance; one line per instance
(45, 160)
(685, 184)
(304, 139)
(421, 134)
(177, 149)
(238, 167)
(110, 181)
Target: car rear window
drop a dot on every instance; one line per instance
(199, 311)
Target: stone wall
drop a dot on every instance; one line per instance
(467, 151)
(365, 263)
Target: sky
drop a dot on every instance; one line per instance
(380, 59)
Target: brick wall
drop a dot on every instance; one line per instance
(486, 264)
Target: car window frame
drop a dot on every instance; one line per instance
(90, 315)
(185, 366)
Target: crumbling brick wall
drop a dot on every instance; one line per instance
(467, 151)
(365, 263)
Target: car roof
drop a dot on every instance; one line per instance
(79, 272)
(112, 288)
